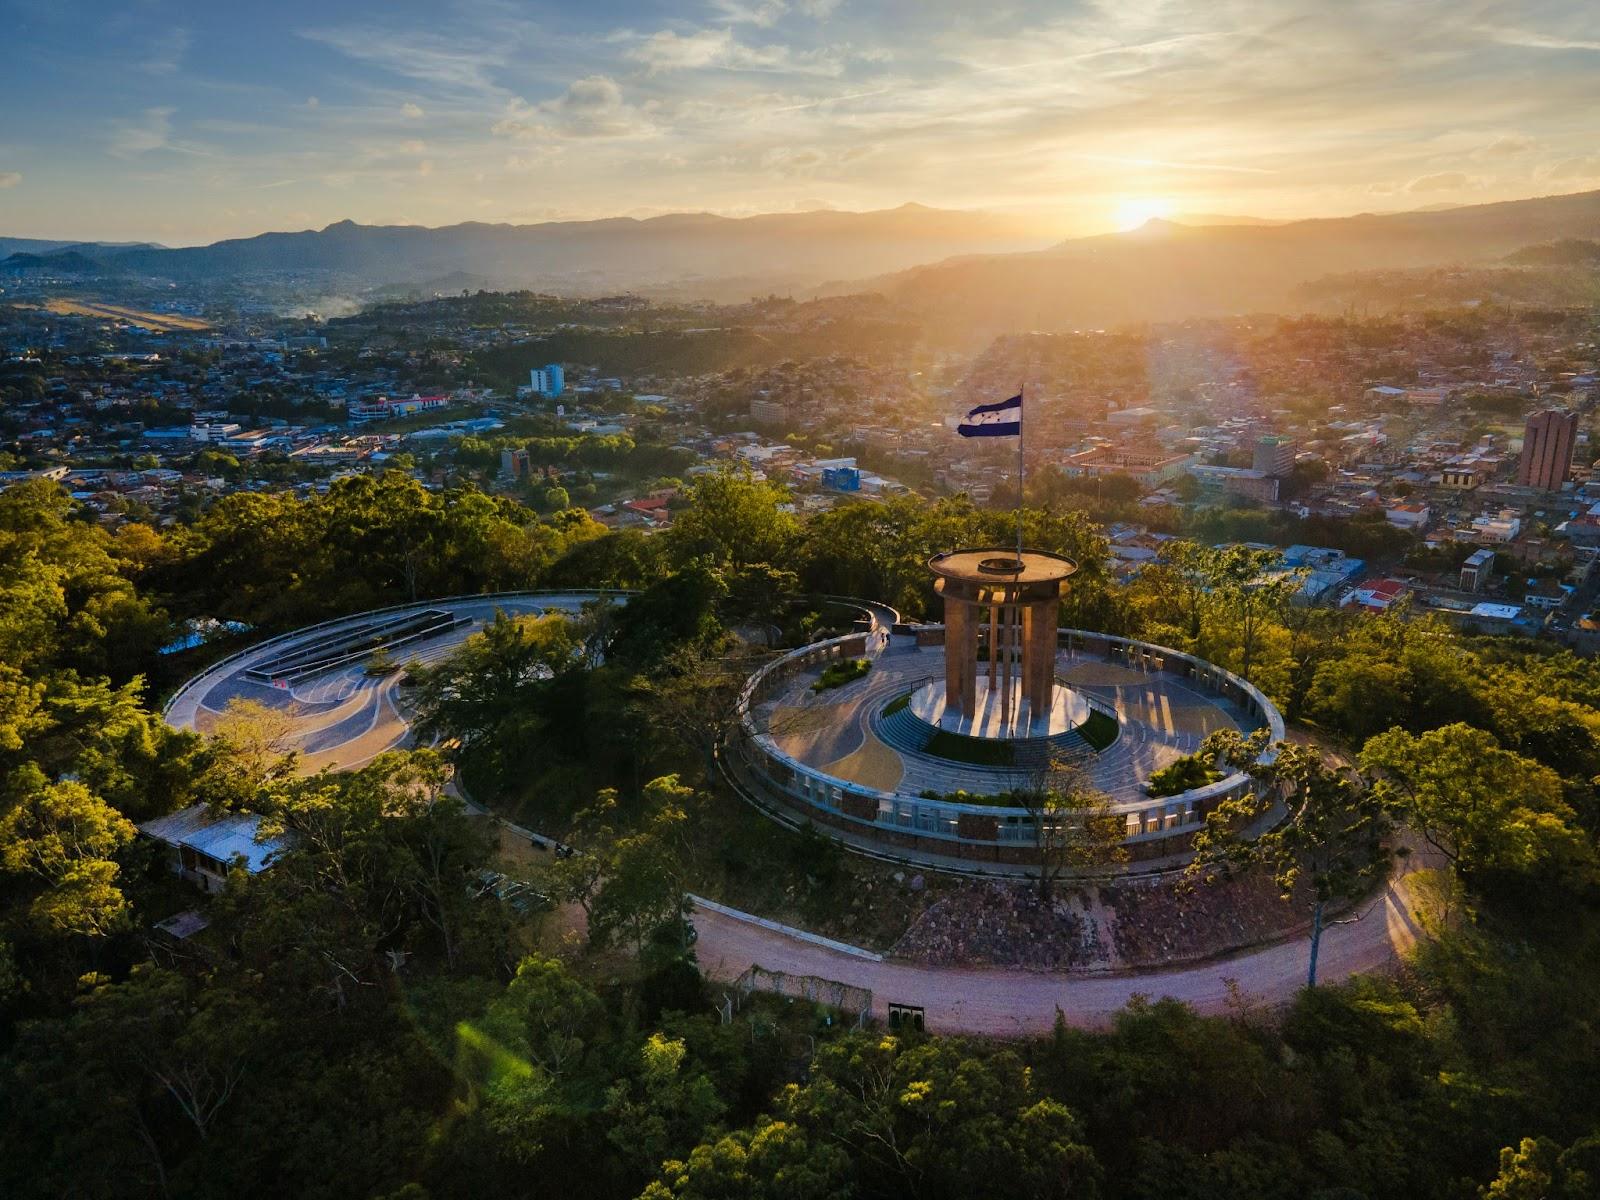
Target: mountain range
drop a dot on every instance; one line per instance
(696, 254)
(1168, 271)
(961, 271)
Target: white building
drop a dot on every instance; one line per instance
(213, 431)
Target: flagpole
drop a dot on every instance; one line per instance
(1014, 655)
(1022, 464)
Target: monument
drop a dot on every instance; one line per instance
(1001, 610)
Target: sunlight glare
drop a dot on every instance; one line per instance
(1134, 212)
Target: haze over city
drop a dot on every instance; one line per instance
(182, 124)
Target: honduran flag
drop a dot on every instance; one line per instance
(1001, 419)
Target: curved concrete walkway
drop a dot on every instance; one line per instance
(350, 725)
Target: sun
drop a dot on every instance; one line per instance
(1134, 212)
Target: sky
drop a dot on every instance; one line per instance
(189, 122)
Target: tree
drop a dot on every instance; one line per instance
(643, 890)
(661, 1106)
(1482, 806)
(489, 686)
(691, 698)
(934, 1119)
(1074, 825)
(1539, 1169)
(734, 519)
(385, 861)
(251, 746)
(64, 837)
(773, 1161)
(1327, 845)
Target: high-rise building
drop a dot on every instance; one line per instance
(769, 412)
(514, 463)
(1547, 442)
(1274, 455)
(1476, 570)
(547, 381)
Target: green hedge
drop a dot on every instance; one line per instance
(841, 673)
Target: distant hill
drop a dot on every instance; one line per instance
(10, 246)
(1568, 252)
(693, 253)
(1223, 219)
(60, 262)
(1167, 271)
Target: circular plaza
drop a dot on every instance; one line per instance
(915, 741)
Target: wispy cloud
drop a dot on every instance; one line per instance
(1538, 41)
(1168, 164)
(151, 130)
(1442, 181)
(462, 65)
(10, 179)
(165, 51)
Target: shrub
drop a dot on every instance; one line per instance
(841, 673)
(1190, 771)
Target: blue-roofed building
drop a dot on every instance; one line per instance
(204, 845)
(1327, 570)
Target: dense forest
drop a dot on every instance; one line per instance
(363, 1020)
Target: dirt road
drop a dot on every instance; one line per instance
(999, 1002)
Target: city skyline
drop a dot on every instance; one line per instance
(168, 124)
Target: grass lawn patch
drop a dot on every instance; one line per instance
(980, 752)
(897, 704)
(1099, 730)
(841, 673)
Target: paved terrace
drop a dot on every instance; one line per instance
(345, 718)
(1161, 716)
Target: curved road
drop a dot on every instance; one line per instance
(346, 719)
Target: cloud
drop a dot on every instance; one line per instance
(1585, 166)
(670, 51)
(408, 109)
(1443, 181)
(1529, 40)
(591, 107)
(413, 146)
(312, 102)
(425, 167)
(1507, 146)
(151, 130)
(10, 179)
(166, 52)
(465, 65)
(743, 12)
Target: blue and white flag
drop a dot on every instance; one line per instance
(1002, 419)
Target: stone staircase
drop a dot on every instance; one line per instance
(909, 735)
